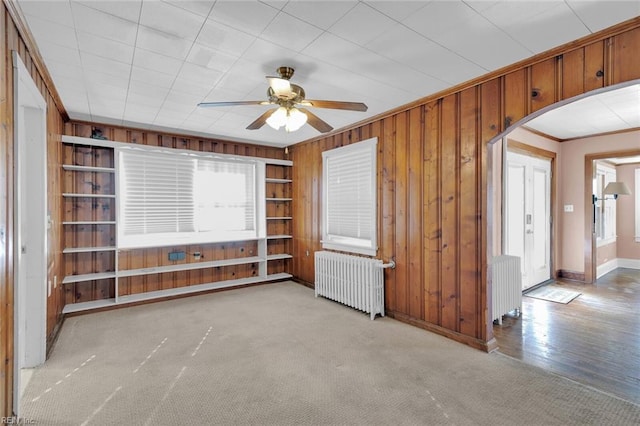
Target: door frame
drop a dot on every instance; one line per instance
(590, 249)
(534, 151)
(30, 207)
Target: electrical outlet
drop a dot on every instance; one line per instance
(568, 208)
(197, 255)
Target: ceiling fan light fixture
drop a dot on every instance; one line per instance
(295, 120)
(278, 118)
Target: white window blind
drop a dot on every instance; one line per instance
(349, 198)
(168, 199)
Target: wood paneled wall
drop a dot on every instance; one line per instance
(79, 209)
(13, 37)
(432, 179)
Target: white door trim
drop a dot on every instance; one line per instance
(30, 225)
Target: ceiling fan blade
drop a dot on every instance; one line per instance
(260, 121)
(232, 103)
(351, 106)
(280, 87)
(316, 122)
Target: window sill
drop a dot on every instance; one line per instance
(349, 249)
(606, 241)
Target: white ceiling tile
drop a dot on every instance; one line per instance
(111, 80)
(58, 12)
(251, 17)
(157, 62)
(177, 99)
(91, 62)
(397, 10)
(482, 43)
(537, 25)
(189, 87)
(201, 7)
(56, 52)
(267, 57)
(242, 79)
(102, 24)
(211, 58)
(129, 9)
(598, 15)
(109, 49)
(151, 77)
(206, 114)
(151, 91)
(224, 95)
(225, 38)
(133, 109)
(322, 14)
(52, 32)
(170, 19)
(439, 17)
(198, 75)
(290, 32)
(163, 43)
(82, 116)
(142, 99)
(64, 69)
(101, 91)
(413, 50)
(480, 5)
(362, 24)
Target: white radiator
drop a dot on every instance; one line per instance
(354, 281)
(506, 279)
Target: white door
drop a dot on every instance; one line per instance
(528, 216)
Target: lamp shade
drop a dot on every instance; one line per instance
(296, 119)
(616, 188)
(278, 118)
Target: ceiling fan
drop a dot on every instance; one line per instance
(289, 97)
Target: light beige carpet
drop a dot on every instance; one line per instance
(275, 355)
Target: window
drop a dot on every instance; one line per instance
(349, 220)
(170, 198)
(605, 210)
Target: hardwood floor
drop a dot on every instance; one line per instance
(594, 340)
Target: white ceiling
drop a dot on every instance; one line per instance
(148, 63)
(602, 113)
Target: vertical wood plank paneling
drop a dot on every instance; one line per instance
(401, 214)
(432, 216)
(450, 212)
(470, 219)
(516, 103)
(387, 202)
(543, 84)
(593, 74)
(625, 60)
(415, 210)
(573, 73)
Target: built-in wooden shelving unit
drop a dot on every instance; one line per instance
(90, 196)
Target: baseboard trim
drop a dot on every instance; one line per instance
(486, 346)
(570, 275)
(607, 267)
(629, 263)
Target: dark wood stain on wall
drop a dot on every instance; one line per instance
(432, 180)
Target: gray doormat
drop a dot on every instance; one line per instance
(553, 294)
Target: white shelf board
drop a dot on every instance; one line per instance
(279, 256)
(278, 237)
(73, 195)
(279, 218)
(277, 180)
(88, 249)
(90, 222)
(86, 306)
(88, 277)
(78, 168)
(279, 199)
(189, 266)
(78, 140)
